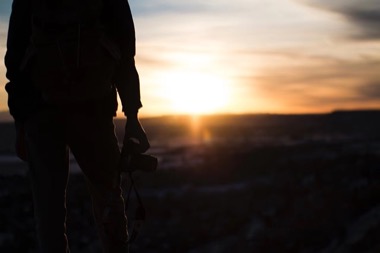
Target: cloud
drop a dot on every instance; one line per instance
(364, 16)
(149, 8)
(370, 90)
(321, 83)
(5, 8)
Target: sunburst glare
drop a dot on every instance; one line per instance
(194, 92)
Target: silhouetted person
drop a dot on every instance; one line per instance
(66, 61)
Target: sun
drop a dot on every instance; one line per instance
(194, 92)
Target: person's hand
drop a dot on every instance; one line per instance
(134, 131)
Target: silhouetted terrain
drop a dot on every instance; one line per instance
(249, 183)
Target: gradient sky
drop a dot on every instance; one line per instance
(241, 56)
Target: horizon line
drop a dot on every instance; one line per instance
(147, 116)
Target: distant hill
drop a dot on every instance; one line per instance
(173, 130)
(162, 130)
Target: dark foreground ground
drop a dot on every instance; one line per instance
(315, 190)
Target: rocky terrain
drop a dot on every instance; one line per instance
(277, 186)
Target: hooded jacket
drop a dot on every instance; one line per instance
(24, 98)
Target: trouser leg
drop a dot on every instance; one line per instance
(96, 150)
(48, 163)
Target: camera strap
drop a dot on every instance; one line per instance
(140, 214)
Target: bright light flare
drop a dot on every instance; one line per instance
(194, 92)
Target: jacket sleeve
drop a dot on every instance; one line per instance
(121, 26)
(20, 92)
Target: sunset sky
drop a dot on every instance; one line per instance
(246, 56)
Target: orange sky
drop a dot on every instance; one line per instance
(245, 56)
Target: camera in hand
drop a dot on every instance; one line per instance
(137, 161)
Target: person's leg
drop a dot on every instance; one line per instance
(93, 142)
(48, 163)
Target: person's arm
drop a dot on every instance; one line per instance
(19, 33)
(121, 28)
(19, 88)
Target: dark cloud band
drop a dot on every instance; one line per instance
(364, 16)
